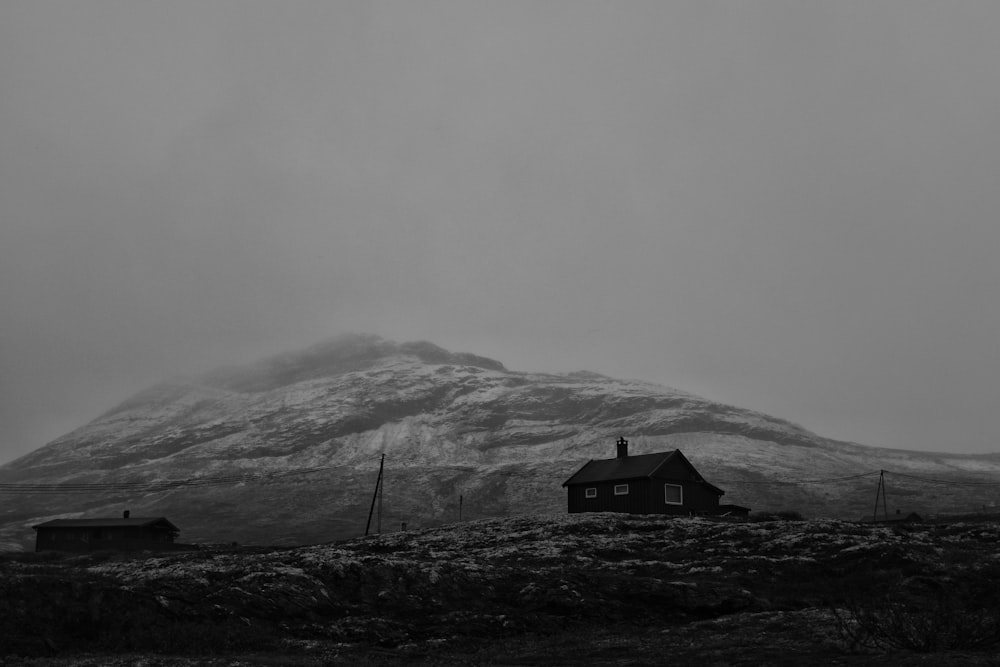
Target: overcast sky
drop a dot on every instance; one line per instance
(787, 206)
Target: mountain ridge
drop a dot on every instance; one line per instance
(450, 424)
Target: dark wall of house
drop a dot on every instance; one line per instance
(697, 496)
(606, 501)
(98, 539)
(645, 496)
(734, 511)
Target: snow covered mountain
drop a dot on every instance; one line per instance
(450, 425)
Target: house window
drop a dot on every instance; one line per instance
(673, 494)
(621, 489)
(590, 493)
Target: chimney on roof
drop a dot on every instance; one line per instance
(125, 514)
(622, 448)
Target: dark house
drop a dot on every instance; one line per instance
(125, 534)
(663, 483)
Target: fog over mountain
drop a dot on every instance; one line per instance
(787, 206)
(286, 450)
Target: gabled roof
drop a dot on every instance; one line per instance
(635, 467)
(136, 522)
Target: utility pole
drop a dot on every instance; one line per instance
(381, 485)
(880, 491)
(377, 495)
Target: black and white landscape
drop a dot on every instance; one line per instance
(762, 233)
(450, 425)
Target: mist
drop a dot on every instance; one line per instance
(786, 206)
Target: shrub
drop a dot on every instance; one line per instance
(926, 615)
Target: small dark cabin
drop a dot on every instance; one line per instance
(662, 483)
(125, 534)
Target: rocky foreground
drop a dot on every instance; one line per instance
(596, 589)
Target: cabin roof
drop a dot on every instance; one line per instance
(632, 467)
(734, 508)
(133, 522)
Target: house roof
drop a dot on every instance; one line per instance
(633, 467)
(135, 522)
(734, 508)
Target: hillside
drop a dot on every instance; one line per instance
(600, 589)
(450, 425)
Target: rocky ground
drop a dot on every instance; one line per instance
(598, 589)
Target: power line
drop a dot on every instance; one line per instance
(948, 482)
(234, 478)
(147, 486)
(154, 486)
(822, 480)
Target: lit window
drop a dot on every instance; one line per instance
(673, 494)
(590, 493)
(621, 489)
